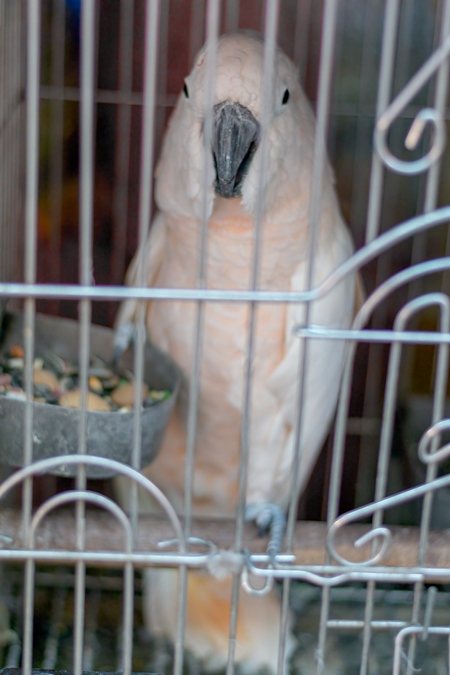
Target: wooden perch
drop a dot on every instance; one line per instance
(103, 533)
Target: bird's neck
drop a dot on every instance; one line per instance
(230, 210)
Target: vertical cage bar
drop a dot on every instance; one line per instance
(122, 154)
(392, 9)
(373, 373)
(87, 121)
(419, 243)
(145, 208)
(12, 152)
(28, 595)
(86, 200)
(358, 204)
(17, 143)
(319, 158)
(4, 271)
(80, 588)
(128, 607)
(162, 75)
(197, 28)
(2, 82)
(301, 39)
(31, 192)
(152, 13)
(52, 642)
(4, 100)
(31, 188)
(12, 140)
(270, 33)
(439, 396)
(92, 616)
(213, 16)
(326, 66)
(387, 430)
(57, 136)
(212, 29)
(439, 102)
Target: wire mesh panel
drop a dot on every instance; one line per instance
(137, 461)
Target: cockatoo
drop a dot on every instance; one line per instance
(171, 260)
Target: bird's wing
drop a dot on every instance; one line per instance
(277, 407)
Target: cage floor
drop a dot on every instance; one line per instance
(53, 627)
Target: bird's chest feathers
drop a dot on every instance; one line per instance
(230, 245)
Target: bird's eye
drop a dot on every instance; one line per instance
(285, 97)
(186, 90)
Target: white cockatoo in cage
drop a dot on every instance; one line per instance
(171, 260)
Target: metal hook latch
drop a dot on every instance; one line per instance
(270, 572)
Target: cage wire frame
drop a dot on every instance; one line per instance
(369, 568)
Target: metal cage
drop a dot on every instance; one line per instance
(85, 92)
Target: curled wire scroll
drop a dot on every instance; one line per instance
(383, 534)
(425, 454)
(426, 116)
(46, 465)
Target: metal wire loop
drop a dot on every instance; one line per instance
(275, 567)
(426, 455)
(245, 579)
(439, 139)
(251, 590)
(85, 496)
(382, 534)
(426, 115)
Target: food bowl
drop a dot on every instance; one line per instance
(56, 428)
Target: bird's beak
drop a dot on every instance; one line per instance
(235, 139)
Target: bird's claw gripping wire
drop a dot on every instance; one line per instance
(268, 517)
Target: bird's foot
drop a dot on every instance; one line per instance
(123, 336)
(268, 517)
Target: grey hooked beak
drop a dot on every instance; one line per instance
(235, 140)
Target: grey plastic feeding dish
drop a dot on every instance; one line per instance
(56, 428)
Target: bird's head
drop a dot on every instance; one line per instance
(234, 155)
